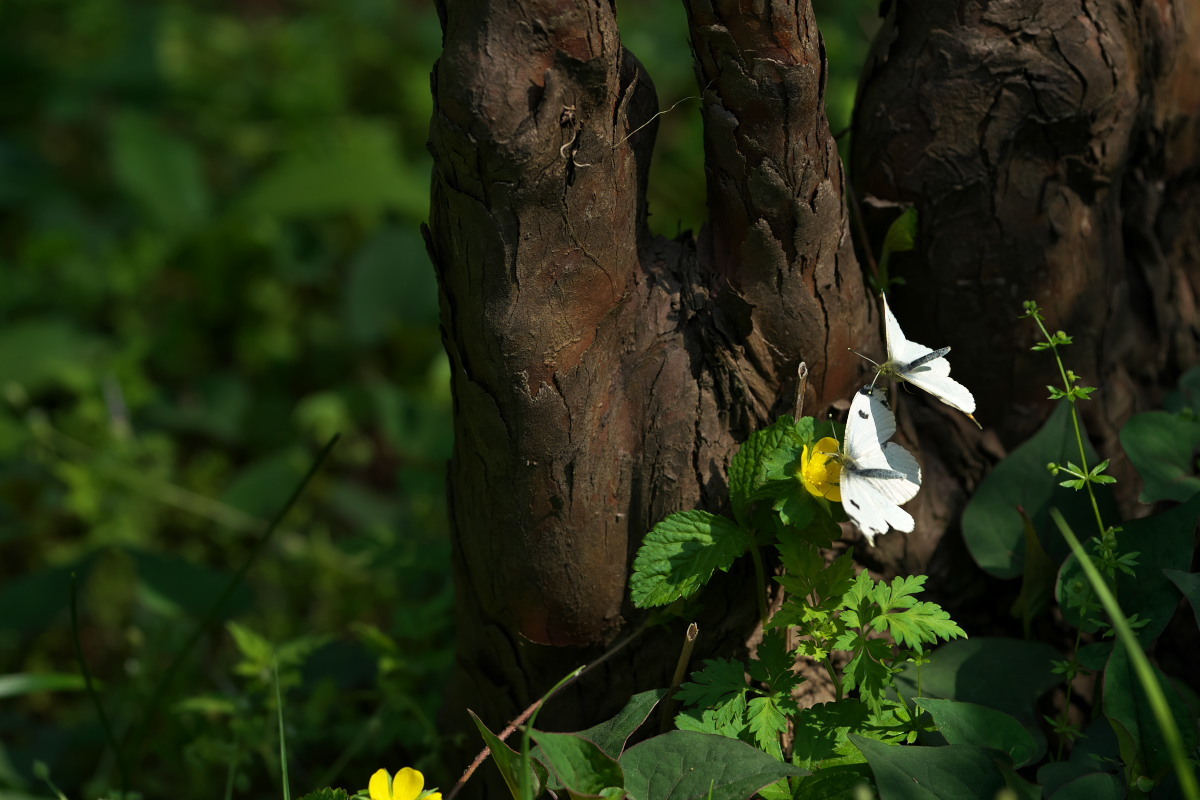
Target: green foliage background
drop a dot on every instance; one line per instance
(210, 262)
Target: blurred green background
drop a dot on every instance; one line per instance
(210, 262)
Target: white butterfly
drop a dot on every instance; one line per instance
(922, 367)
(876, 477)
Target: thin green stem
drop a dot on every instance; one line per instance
(287, 790)
(137, 734)
(91, 688)
(837, 684)
(760, 580)
(1141, 664)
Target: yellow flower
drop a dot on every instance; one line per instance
(820, 471)
(407, 785)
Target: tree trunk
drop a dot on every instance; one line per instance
(603, 376)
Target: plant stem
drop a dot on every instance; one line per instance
(760, 579)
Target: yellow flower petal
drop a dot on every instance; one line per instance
(380, 787)
(433, 796)
(407, 784)
(820, 471)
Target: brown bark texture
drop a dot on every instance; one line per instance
(1052, 150)
(602, 376)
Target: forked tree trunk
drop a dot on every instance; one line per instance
(602, 376)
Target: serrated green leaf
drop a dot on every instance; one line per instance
(766, 721)
(747, 469)
(774, 664)
(684, 765)
(924, 623)
(327, 794)
(821, 731)
(720, 685)
(680, 555)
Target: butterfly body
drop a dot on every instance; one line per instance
(877, 476)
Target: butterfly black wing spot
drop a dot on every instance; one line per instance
(863, 415)
(857, 507)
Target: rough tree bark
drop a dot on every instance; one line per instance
(1052, 150)
(602, 376)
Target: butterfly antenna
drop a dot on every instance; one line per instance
(802, 375)
(972, 418)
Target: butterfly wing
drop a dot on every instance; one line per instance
(911, 362)
(876, 478)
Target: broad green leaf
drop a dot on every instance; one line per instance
(42, 353)
(391, 287)
(160, 171)
(992, 526)
(970, 723)
(1143, 747)
(748, 468)
(1005, 674)
(1163, 541)
(352, 164)
(901, 235)
(1038, 576)
(1162, 447)
(174, 586)
(612, 734)
(680, 555)
(582, 767)
(683, 765)
(20, 683)
(508, 761)
(953, 772)
(32, 602)
(1092, 786)
(840, 780)
(1189, 584)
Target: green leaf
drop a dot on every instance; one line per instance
(611, 735)
(766, 720)
(683, 765)
(721, 686)
(924, 623)
(508, 761)
(1091, 786)
(1143, 746)
(159, 171)
(174, 586)
(1038, 576)
(1164, 541)
(992, 526)
(901, 235)
(822, 731)
(1162, 447)
(43, 353)
(680, 555)
(582, 767)
(327, 794)
(22, 683)
(774, 664)
(954, 772)
(391, 287)
(1189, 584)
(1006, 674)
(969, 723)
(748, 468)
(352, 164)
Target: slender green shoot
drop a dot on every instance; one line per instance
(138, 735)
(1141, 665)
(526, 769)
(760, 581)
(91, 688)
(283, 769)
